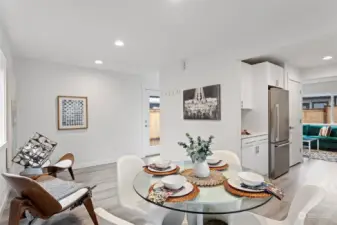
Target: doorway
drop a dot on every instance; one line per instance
(151, 122)
(295, 116)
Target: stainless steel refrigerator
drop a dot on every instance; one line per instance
(278, 132)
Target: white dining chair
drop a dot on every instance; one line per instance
(233, 160)
(228, 156)
(305, 199)
(105, 218)
(136, 209)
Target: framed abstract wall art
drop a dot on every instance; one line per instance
(202, 103)
(72, 112)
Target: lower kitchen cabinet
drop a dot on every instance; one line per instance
(254, 156)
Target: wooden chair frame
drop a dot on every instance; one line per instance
(38, 201)
(53, 169)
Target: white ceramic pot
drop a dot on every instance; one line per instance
(201, 169)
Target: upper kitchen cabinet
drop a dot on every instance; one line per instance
(274, 73)
(246, 86)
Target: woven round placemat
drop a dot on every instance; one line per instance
(240, 193)
(219, 168)
(192, 195)
(215, 178)
(146, 170)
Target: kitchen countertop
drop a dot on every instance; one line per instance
(253, 134)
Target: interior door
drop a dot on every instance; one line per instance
(295, 113)
(151, 122)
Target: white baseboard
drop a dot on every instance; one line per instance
(4, 200)
(93, 163)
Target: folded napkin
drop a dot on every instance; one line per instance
(153, 166)
(268, 188)
(214, 164)
(160, 194)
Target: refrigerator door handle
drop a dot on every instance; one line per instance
(282, 145)
(277, 108)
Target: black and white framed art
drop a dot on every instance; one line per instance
(72, 112)
(202, 103)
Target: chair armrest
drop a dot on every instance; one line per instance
(106, 218)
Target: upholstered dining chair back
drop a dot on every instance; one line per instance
(127, 168)
(37, 195)
(305, 199)
(230, 157)
(106, 218)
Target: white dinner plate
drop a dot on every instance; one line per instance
(222, 163)
(236, 183)
(172, 167)
(188, 188)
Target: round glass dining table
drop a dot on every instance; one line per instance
(211, 200)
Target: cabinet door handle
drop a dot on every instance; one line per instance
(277, 83)
(257, 149)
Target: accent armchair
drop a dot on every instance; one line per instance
(40, 203)
(66, 162)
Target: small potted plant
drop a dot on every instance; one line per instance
(198, 150)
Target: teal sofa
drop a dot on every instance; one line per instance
(325, 143)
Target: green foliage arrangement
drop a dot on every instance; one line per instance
(198, 149)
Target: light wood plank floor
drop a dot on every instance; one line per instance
(105, 195)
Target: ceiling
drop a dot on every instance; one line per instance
(309, 54)
(158, 32)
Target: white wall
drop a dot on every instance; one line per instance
(151, 81)
(114, 101)
(321, 88)
(10, 79)
(320, 81)
(320, 74)
(200, 72)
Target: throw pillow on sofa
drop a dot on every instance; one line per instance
(325, 131)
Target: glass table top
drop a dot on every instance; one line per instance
(211, 200)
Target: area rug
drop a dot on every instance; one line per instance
(321, 155)
(59, 219)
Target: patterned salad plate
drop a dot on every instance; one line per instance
(171, 168)
(188, 188)
(236, 183)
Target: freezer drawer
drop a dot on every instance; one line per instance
(279, 159)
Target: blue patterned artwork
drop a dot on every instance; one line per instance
(72, 113)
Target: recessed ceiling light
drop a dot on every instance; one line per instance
(98, 62)
(119, 43)
(327, 57)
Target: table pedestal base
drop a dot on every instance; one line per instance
(198, 219)
(195, 219)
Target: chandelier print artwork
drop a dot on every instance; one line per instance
(202, 103)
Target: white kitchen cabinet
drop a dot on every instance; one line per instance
(246, 86)
(254, 154)
(248, 156)
(274, 73)
(261, 154)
